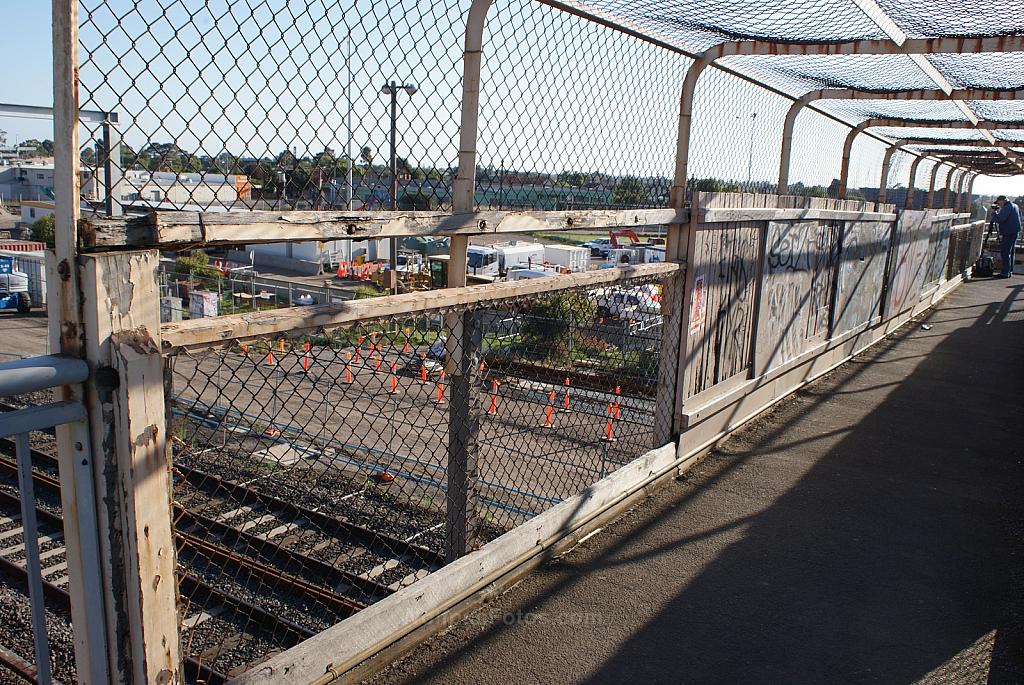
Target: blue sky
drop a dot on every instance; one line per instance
(570, 96)
(28, 75)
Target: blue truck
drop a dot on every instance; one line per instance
(13, 287)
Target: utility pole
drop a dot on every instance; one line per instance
(392, 90)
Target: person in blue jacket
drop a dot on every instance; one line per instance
(1008, 218)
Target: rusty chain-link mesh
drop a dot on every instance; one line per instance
(580, 117)
(797, 74)
(700, 25)
(262, 104)
(312, 472)
(255, 104)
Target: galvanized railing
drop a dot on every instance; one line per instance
(19, 377)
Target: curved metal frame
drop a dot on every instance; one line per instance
(844, 170)
(958, 95)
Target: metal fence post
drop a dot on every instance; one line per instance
(945, 191)
(844, 166)
(670, 363)
(908, 202)
(930, 200)
(463, 344)
(463, 351)
(112, 173)
(883, 184)
(787, 145)
(35, 579)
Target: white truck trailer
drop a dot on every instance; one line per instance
(575, 259)
(519, 254)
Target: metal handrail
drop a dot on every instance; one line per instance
(32, 374)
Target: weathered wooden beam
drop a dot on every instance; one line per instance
(125, 398)
(721, 215)
(94, 658)
(293, 320)
(169, 229)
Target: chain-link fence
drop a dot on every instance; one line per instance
(319, 470)
(314, 472)
(264, 104)
(256, 104)
(211, 123)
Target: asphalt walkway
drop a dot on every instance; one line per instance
(867, 530)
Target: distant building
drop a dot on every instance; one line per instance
(185, 188)
(33, 210)
(26, 181)
(173, 190)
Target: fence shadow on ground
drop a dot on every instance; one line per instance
(891, 559)
(888, 558)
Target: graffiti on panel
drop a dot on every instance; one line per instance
(938, 248)
(697, 304)
(909, 263)
(734, 314)
(792, 291)
(861, 273)
(820, 301)
(721, 302)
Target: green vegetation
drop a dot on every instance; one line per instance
(713, 185)
(197, 263)
(43, 230)
(573, 238)
(365, 292)
(630, 191)
(551, 322)
(418, 201)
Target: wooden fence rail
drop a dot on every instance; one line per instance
(179, 229)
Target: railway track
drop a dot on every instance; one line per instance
(256, 573)
(50, 532)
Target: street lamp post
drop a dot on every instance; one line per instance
(392, 90)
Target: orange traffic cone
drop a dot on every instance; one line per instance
(440, 388)
(394, 378)
(270, 357)
(618, 404)
(305, 359)
(609, 436)
(280, 344)
(494, 399)
(348, 369)
(566, 402)
(549, 410)
(423, 370)
(245, 350)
